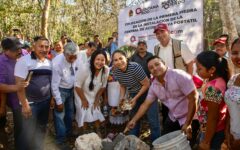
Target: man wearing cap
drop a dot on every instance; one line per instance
(35, 99)
(8, 89)
(64, 69)
(173, 52)
(220, 47)
(141, 56)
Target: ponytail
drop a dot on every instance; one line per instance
(211, 59)
(222, 69)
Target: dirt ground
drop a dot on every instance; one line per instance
(50, 141)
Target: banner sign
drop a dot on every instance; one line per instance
(184, 19)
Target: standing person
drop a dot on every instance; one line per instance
(85, 55)
(220, 47)
(64, 68)
(173, 52)
(114, 44)
(133, 80)
(97, 41)
(8, 89)
(232, 99)
(36, 97)
(176, 91)
(212, 108)
(90, 84)
(64, 39)
(141, 56)
(58, 49)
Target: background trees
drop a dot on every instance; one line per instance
(84, 18)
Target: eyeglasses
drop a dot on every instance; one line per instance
(72, 70)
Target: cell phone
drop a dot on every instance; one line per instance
(29, 76)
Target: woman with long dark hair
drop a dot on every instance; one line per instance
(212, 108)
(91, 81)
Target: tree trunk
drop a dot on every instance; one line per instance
(228, 22)
(45, 14)
(236, 14)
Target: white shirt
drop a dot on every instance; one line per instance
(82, 57)
(25, 63)
(166, 54)
(61, 76)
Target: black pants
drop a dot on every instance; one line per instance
(3, 134)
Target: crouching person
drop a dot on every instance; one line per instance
(176, 90)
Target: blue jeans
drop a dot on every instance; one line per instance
(34, 128)
(63, 120)
(152, 115)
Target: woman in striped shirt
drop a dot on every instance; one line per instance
(133, 80)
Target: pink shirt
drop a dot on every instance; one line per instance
(178, 84)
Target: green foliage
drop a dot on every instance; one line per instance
(81, 19)
(129, 50)
(212, 22)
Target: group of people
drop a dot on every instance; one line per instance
(73, 82)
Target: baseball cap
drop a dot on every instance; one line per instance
(11, 43)
(71, 48)
(142, 42)
(222, 40)
(161, 26)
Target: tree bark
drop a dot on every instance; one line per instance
(236, 14)
(228, 22)
(45, 14)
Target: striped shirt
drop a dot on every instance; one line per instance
(131, 78)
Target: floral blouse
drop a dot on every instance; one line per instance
(213, 91)
(233, 92)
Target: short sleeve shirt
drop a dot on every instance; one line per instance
(39, 88)
(131, 78)
(213, 91)
(7, 77)
(178, 85)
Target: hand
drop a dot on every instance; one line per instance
(187, 129)
(52, 103)
(224, 145)
(2, 111)
(85, 104)
(26, 111)
(59, 107)
(133, 102)
(131, 124)
(96, 104)
(204, 146)
(21, 85)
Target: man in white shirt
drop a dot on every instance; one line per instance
(173, 52)
(64, 69)
(85, 55)
(35, 98)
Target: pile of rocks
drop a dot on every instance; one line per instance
(119, 142)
